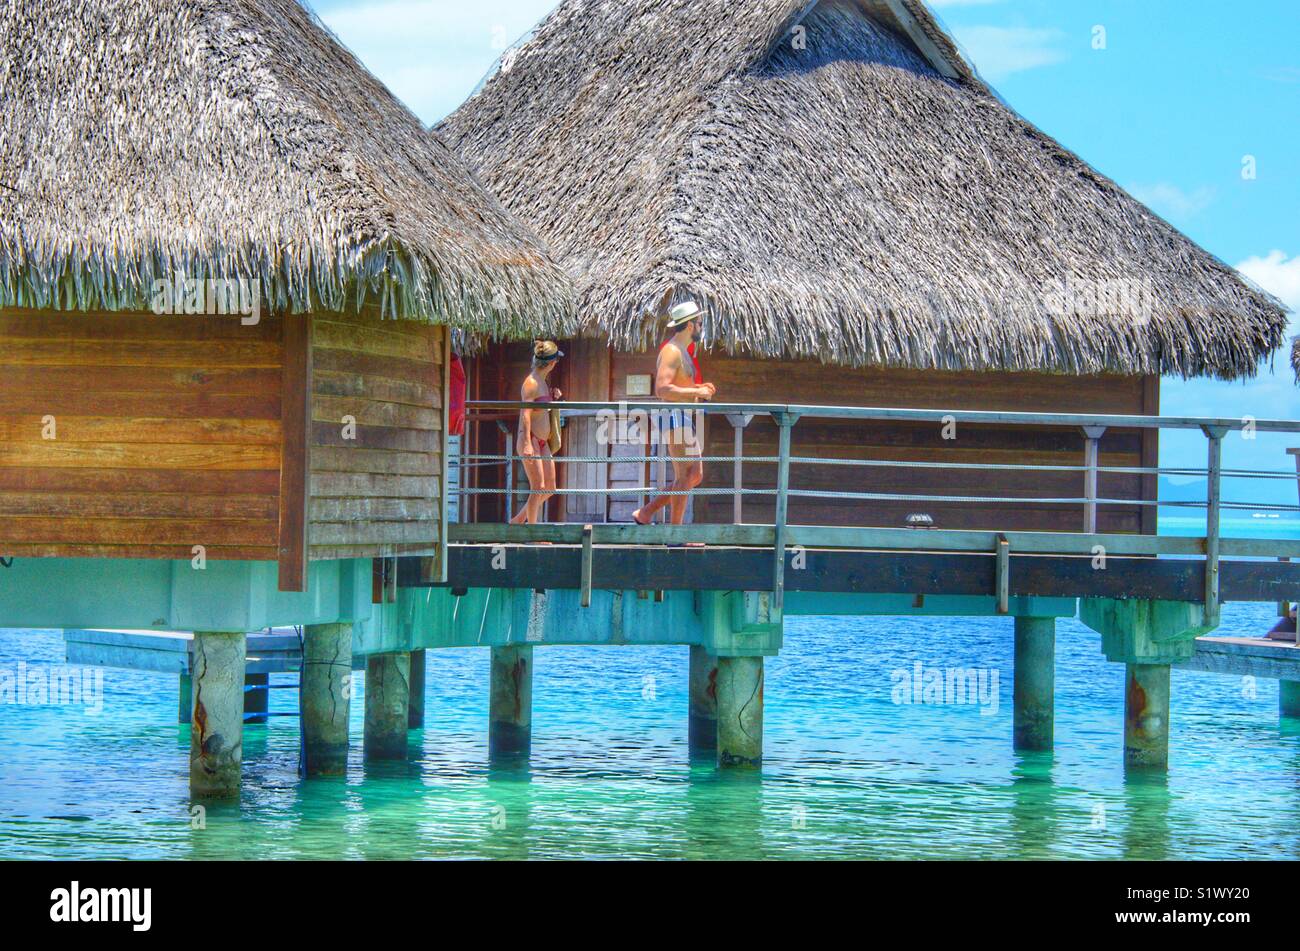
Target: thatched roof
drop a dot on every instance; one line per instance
(152, 139)
(848, 190)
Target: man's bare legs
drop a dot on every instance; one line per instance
(541, 479)
(688, 473)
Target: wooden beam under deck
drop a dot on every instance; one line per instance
(656, 568)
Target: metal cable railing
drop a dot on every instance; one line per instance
(633, 438)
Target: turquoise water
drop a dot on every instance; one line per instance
(848, 773)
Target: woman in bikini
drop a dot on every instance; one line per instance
(534, 433)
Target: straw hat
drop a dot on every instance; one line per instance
(684, 314)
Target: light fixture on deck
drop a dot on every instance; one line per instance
(920, 520)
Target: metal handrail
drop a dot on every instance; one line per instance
(886, 414)
(1092, 427)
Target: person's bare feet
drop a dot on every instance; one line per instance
(636, 517)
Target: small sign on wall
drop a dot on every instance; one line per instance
(638, 384)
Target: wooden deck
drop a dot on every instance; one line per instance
(737, 568)
(169, 651)
(1246, 656)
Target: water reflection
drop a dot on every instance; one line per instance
(847, 773)
(1146, 815)
(1034, 806)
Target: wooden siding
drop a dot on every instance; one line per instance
(167, 435)
(749, 381)
(378, 492)
(745, 380)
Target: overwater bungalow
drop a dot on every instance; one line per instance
(230, 265)
(866, 224)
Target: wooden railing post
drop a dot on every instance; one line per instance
(785, 421)
(1213, 500)
(444, 477)
(1091, 454)
(738, 421)
(510, 470)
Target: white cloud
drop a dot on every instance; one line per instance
(1000, 51)
(1279, 275)
(1170, 201)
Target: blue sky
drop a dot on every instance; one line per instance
(1170, 98)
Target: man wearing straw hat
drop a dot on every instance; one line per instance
(678, 380)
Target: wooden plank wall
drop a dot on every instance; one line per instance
(624, 475)
(167, 435)
(584, 375)
(379, 493)
(498, 374)
(749, 381)
(744, 380)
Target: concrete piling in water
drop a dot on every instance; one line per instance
(416, 705)
(326, 698)
(388, 687)
(1033, 699)
(1146, 636)
(740, 711)
(217, 719)
(1146, 716)
(510, 708)
(702, 726)
(1288, 698)
(257, 697)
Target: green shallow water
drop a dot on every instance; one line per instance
(848, 772)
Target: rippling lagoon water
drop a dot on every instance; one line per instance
(848, 773)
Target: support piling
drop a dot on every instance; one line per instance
(1288, 698)
(257, 697)
(217, 719)
(1146, 716)
(740, 711)
(326, 698)
(702, 726)
(415, 719)
(510, 708)
(1035, 683)
(388, 685)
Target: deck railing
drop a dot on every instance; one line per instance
(635, 424)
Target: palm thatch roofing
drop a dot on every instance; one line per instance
(145, 140)
(833, 180)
